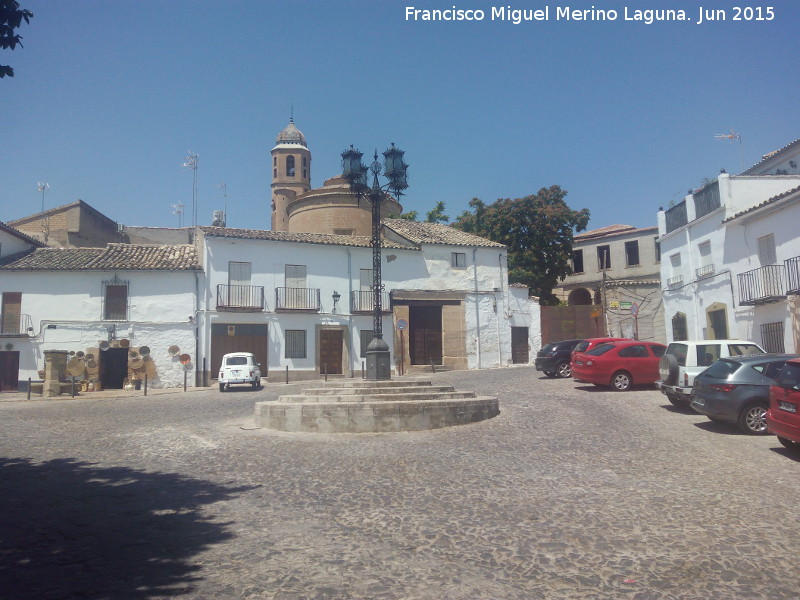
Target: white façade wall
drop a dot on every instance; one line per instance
(65, 310)
(11, 244)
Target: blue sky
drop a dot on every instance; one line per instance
(109, 97)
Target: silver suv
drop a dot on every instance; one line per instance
(239, 367)
(685, 360)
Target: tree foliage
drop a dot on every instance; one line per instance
(436, 215)
(538, 232)
(11, 17)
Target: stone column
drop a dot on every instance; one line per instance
(55, 371)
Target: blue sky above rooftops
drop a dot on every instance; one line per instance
(110, 97)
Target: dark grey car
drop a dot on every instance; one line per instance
(736, 390)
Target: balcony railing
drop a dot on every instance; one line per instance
(305, 299)
(792, 275)
(240, 298)
(676, 217)
(362, 302)
(16, 325)
(704, 271)
(675, 281)
(706, 200)
(762, 286)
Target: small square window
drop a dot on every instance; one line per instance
(458, 260)
(632, 253)
(295, 343)
(603, 257)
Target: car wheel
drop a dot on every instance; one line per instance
(794, 446)
(221, 387)
(564, 370)
(753, 419)
(621, 381)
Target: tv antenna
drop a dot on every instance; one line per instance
(732, 137)
(191, 163)
(224, 187)
(42, 187)
(177, 209)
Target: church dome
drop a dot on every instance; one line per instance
(291, 135)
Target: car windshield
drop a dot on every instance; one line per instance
(582, 346)
(744, 349)
(600, 350)
(722, 369)
(236, 360)
(658, 350)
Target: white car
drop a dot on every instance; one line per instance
(685, 360)
(239, 367)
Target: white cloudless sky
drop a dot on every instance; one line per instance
(110, 96)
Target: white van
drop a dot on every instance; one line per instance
(239, 367)
(685, 360)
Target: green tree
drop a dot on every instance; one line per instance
(538, 232)
(11, 17)
(436, 215)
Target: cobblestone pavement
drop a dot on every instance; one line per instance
(571, 492)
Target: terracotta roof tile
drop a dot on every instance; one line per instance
(436, 233)
(114, 257)
(769, 155)
(611, 230)
(303, 238)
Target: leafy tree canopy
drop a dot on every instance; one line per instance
(436, 215)
(11, 17)
(538, 232)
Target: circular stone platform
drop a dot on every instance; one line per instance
(374, 406)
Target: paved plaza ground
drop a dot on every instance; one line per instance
(571, 492)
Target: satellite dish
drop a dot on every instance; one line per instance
(79, 354)
(144, 351)
(185, 359)
(104, 346)
(173, 350)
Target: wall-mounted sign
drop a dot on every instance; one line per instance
(401, 324)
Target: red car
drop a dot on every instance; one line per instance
(589, 343)
(783, 418)
(619, 364)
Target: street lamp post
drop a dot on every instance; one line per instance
(355, 173)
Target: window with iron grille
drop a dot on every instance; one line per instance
(115, 300)
(772, 337)
(679, 328)
(295, 343)
(366, 338)
(603, 257)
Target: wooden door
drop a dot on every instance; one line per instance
(227, 338)
(519, 345)
(9, 370)
(330, 351)
(10, 312)
(425, 334)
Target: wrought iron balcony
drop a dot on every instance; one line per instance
(299, 299)
(762, 286)
(792, 275)
(706, 200)
(362, 301)
(16, 325)
(704, 271)
(675, 281)
(240, 298)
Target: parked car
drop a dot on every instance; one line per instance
(685, 360)
(783, 418)
(619, 364)
(589, 343)
(736, 390)
(239, 367)
(553, 359)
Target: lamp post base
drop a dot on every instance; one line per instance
(379, 361)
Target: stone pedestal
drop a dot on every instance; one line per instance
(55, 371)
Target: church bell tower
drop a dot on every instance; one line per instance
(291, 173)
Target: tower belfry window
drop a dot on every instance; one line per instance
(290, 166)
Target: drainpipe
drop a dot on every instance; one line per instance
(477, 307)
(350, 312)
(497, 311)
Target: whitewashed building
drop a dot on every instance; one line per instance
(115, 311)
(730, 256)
(302, 302)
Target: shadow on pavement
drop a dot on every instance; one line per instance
(70, 529)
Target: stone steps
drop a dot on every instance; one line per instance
(359, 406)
